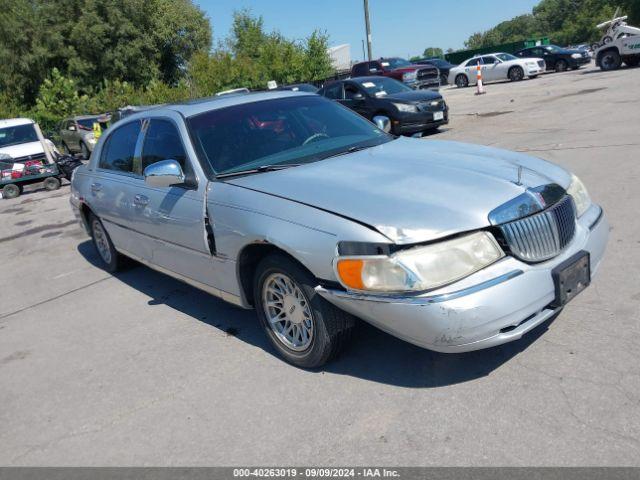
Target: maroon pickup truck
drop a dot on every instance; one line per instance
(414, 76)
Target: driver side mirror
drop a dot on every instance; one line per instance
(383, 123)
(357, 97)
(164, 173)
(72, 128)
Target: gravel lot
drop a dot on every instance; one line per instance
(139, 369)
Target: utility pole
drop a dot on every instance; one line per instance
(368, 27)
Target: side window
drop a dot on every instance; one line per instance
(488, 60)
(119, 151)
(334, 92)
(162, 142)
(375, 67)
(350, 91)
(473, 62)
(360, 69)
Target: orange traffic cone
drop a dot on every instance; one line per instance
(480, 87)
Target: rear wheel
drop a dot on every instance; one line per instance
(462, 81)
(561, 66)
(610, 60)
(11, 191)
(112, 261)
(444, 79)
(632, 61)
(51, 183)
(305, 329)
(516, 74)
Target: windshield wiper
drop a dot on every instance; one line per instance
(349, 150)
(260, 169)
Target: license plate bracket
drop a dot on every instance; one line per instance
(438, 116)
(571, 277)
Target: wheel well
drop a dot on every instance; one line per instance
(85, 212)
(248, 261)
(602, 52)
(514, 67)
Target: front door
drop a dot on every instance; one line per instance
(172, 219)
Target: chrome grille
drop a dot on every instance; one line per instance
(543, 235)
(427, 74)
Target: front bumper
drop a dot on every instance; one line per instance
(496, 305)
(578, 62)
(534, 70)
(410, 123)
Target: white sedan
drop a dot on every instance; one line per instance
(495, 66)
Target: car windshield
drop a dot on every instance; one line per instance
(283, 131)
(301, 87)
(505, 57)
(552, 48)
(382, 86)
(86, 123)
(394, 63)
(16, 135)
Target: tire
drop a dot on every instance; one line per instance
(318, 330)
(462, 81)
(84, 150)
(531, 77)
(515, 74)
(610, 60)
(561, 66)
(632, 61)
(112, 261)
(444, 79)
(51, 183)
(65, 148)
(11, 191)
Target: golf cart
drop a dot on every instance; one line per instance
(620, 43)
(26, 157)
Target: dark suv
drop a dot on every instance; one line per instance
(414, 76)
(557, 58)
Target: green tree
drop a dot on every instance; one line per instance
(58, 97)
(433, 52)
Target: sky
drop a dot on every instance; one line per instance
(398, 27)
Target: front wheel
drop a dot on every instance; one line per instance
(462, 81)
(632, 61)
(561, 66)
(610, 60)
(516, 74)
(305, 329)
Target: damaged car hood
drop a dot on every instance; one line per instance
(412, 190)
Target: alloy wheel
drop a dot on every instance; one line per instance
(102, 242)
(288, 312)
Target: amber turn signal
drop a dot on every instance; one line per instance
(350, 272)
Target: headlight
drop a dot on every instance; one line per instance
(404, 107)
(409, 76)
(576, 55)
(420, 268)
(580, 196)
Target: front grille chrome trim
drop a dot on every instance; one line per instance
(543, 235)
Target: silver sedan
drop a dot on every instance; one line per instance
(293, 205)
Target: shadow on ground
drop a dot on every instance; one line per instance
(373, 355)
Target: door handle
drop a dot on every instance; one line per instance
(140, 200)
(95, 187)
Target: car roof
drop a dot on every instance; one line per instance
(201, 105)
(14, 122)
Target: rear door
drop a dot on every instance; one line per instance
(491, 69)
(110, 193)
